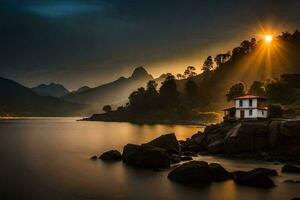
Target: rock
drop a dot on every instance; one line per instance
(146, 156)
(195, 148)
(198, 138)
(219, 173)
(186, 158)
(193, 172)
(175, 159)
(290, 128)
(268, 172)
(253, 178)
(274, 133)
(94, 158)
(249, 137)
(112, 155)
(168, 142)
(189, 153)
(216, 147)
(290, 169)
(129, 150)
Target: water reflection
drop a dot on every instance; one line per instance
(49, 159)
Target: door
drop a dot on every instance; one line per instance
(242, 114)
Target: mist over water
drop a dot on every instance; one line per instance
(48, 158)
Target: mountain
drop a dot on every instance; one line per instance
(53, 90)
(18, 100)
(83, 88)
(113, 92)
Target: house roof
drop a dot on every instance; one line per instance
(249, 97)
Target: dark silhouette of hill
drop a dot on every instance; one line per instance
(111, 93)
(18, 100)
(270, 69)
(53, 90)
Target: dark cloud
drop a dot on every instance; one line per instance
(79, 42)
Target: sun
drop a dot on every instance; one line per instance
(268, 38)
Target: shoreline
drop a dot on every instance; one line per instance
(152, 122)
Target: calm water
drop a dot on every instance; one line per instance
(49, 159)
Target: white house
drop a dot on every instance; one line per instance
(247, 107)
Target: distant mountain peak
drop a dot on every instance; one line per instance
(139, 72)
(52, 89)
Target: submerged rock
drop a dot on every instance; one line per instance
(253, 178)
(168, 142)
(146, 156)
(112, 155)
(290, 169)
(94, 158)
(268, 172)
(219, 173)
(194, 172)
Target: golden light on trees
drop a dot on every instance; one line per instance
(268, 38)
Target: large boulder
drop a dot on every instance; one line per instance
(112, 155)
(146, 156)
(290, 128)
(219, 173)
(290, 169)
(129, 150)
(198, 138)
(194, 172)
(274, 133)
(250, 137)
(216, 147)
(168, 142)
(268, 172)
(253, 179)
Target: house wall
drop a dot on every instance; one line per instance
(256, 113)
(262, 113)
(247, 113)
(245, 103)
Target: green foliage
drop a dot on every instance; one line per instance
(107, 108)
(235, 91)
(275, 110)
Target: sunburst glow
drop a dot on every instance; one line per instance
(268, 38)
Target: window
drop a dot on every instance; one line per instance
(250, 112)
(241, 103)
(250, 102)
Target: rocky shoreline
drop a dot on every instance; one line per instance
(272, 140)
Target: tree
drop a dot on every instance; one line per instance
(180, 76)
(257, 88)
(222, 58)
(192, 93)
(137, 99)
(107, 108)
(190, 71)
(152, 95)
(169, 95)
(246, 46)
(235, 91)
(208, 64)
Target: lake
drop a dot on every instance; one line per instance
(48, 158)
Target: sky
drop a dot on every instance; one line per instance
(91, 42)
